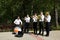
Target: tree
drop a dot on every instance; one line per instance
(9, 9)
(56, 11)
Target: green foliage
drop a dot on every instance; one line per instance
(55, 28)
(9, 9)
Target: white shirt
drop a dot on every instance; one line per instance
(35, 19)
(41, 18)
(18, 21)
(48, 18)
(27, 19)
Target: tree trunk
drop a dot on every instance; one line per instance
(56, 16)
(32, 10)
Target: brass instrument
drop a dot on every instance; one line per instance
(39, 17)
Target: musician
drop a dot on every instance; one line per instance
(27, 23)
(17, 23)
(35, 23)
(47, 20)
(41, 23)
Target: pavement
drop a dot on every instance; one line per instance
(54, 35)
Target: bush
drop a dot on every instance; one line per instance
(55, 28)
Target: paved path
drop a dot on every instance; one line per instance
(54, 35)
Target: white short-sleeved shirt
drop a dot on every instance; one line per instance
(18, 21)
(27, 19)
(41, 18)
(48, 18)
(35, 19)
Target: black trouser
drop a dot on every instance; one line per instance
(47, 28)
(26, 28)
(35, 27)
(20, 34)
(41, 28)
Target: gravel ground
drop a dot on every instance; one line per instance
(54, 35)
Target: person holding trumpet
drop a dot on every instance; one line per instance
(41, 23)
(47, 21)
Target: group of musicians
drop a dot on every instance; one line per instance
(41, 18)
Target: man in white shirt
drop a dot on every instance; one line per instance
(18, 21)
(27, 23)
(47, 20)
(41, 21)
(35, 18)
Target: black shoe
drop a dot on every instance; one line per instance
(13, 33)
(18, 35)
(39, 33)
(42, 34)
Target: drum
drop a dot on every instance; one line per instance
(18, 32)
(16, 29)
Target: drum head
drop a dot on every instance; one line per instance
(16, 29)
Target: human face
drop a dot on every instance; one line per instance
(41, 13)
(18, 17)
(35, 14)
(27, 15)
